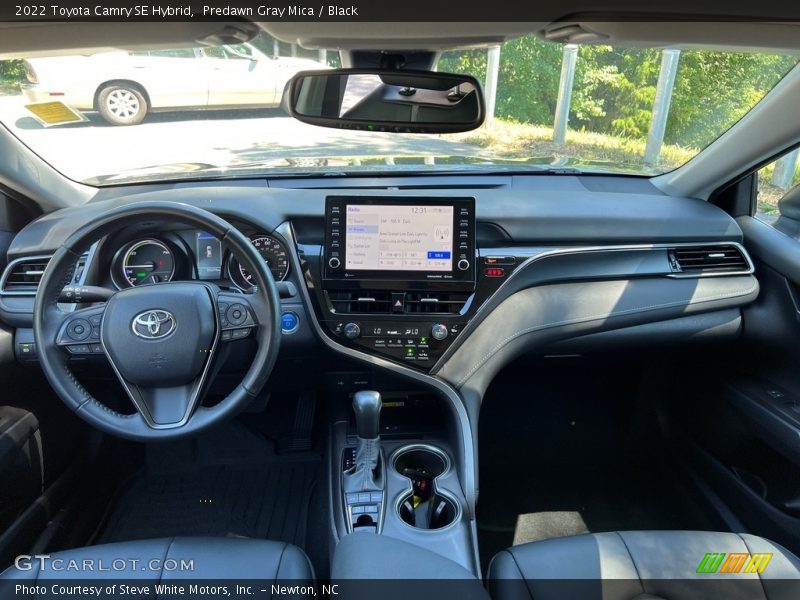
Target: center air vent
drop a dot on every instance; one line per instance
(371, 302)
(350, 302)
(450, 303)
(23, 276)
(700, 260)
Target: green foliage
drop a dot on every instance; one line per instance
(527, 84)
(614, 88)
(713, 90)
(12, 70)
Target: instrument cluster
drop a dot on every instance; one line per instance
(192, 255)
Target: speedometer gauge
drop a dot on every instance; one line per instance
(148, 261)
(274, 254)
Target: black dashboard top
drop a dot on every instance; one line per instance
(560, 213)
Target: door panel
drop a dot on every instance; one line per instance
(239, 77)
(172, 78)
(749, 436)
(39, 436)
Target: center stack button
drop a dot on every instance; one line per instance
(439, 331)
(351, 330)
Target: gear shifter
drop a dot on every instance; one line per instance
(367, 406)
(366, 475)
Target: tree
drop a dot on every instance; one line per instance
(615, 87)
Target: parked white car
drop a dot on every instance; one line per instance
(124, 86)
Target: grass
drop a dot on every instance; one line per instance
(510, 139)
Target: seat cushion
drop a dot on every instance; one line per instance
(644, 564)
(168, 559)
(380, 567)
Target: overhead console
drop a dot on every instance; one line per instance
(398, 273)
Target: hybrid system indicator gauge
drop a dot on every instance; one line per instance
(148, 261)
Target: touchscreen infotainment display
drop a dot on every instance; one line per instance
(399, 242)
(398, 237)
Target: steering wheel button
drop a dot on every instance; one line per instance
(95, 320)
(238, 334)
(79, 329)
(226, 336)
(237, 314)
(79, 349)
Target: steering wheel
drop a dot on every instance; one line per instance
(161, 339)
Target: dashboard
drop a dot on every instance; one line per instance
(445, 278)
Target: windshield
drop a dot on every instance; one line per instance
(212, 112)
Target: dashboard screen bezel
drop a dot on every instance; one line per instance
(463, 247)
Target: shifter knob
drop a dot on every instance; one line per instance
(367, 406)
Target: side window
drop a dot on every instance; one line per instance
(177, 53)
(778, 192)
(239, 51)
(214, 52)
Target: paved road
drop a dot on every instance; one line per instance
(85, 150)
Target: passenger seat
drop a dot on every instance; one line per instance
(643, 565)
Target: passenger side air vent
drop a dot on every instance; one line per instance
(433, 303)
(22, 276)
(702, 260)
(350, 302)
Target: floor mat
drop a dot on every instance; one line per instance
(562, 453)
(268, 502)
(533, 527)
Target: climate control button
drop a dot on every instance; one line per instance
(439, 331)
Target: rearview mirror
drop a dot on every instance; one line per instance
(386, 100)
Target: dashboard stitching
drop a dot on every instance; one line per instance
(482, 361)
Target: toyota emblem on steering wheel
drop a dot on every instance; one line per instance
(154, 324)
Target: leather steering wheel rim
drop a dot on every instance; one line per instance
(48, 320)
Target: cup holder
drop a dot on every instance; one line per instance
(424, 507)
(435, 512)
(420, 461)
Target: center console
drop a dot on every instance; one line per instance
(398, 274)
(398, 277)
(402, 484)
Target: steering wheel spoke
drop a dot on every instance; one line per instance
(165, 407)
(79, 333)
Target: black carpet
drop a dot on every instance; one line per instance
(229, 484)
(256, 502)
(566, 450)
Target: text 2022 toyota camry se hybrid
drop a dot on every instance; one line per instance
(502, 305)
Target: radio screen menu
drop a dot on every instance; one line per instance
(399, 241)
(398, 238)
